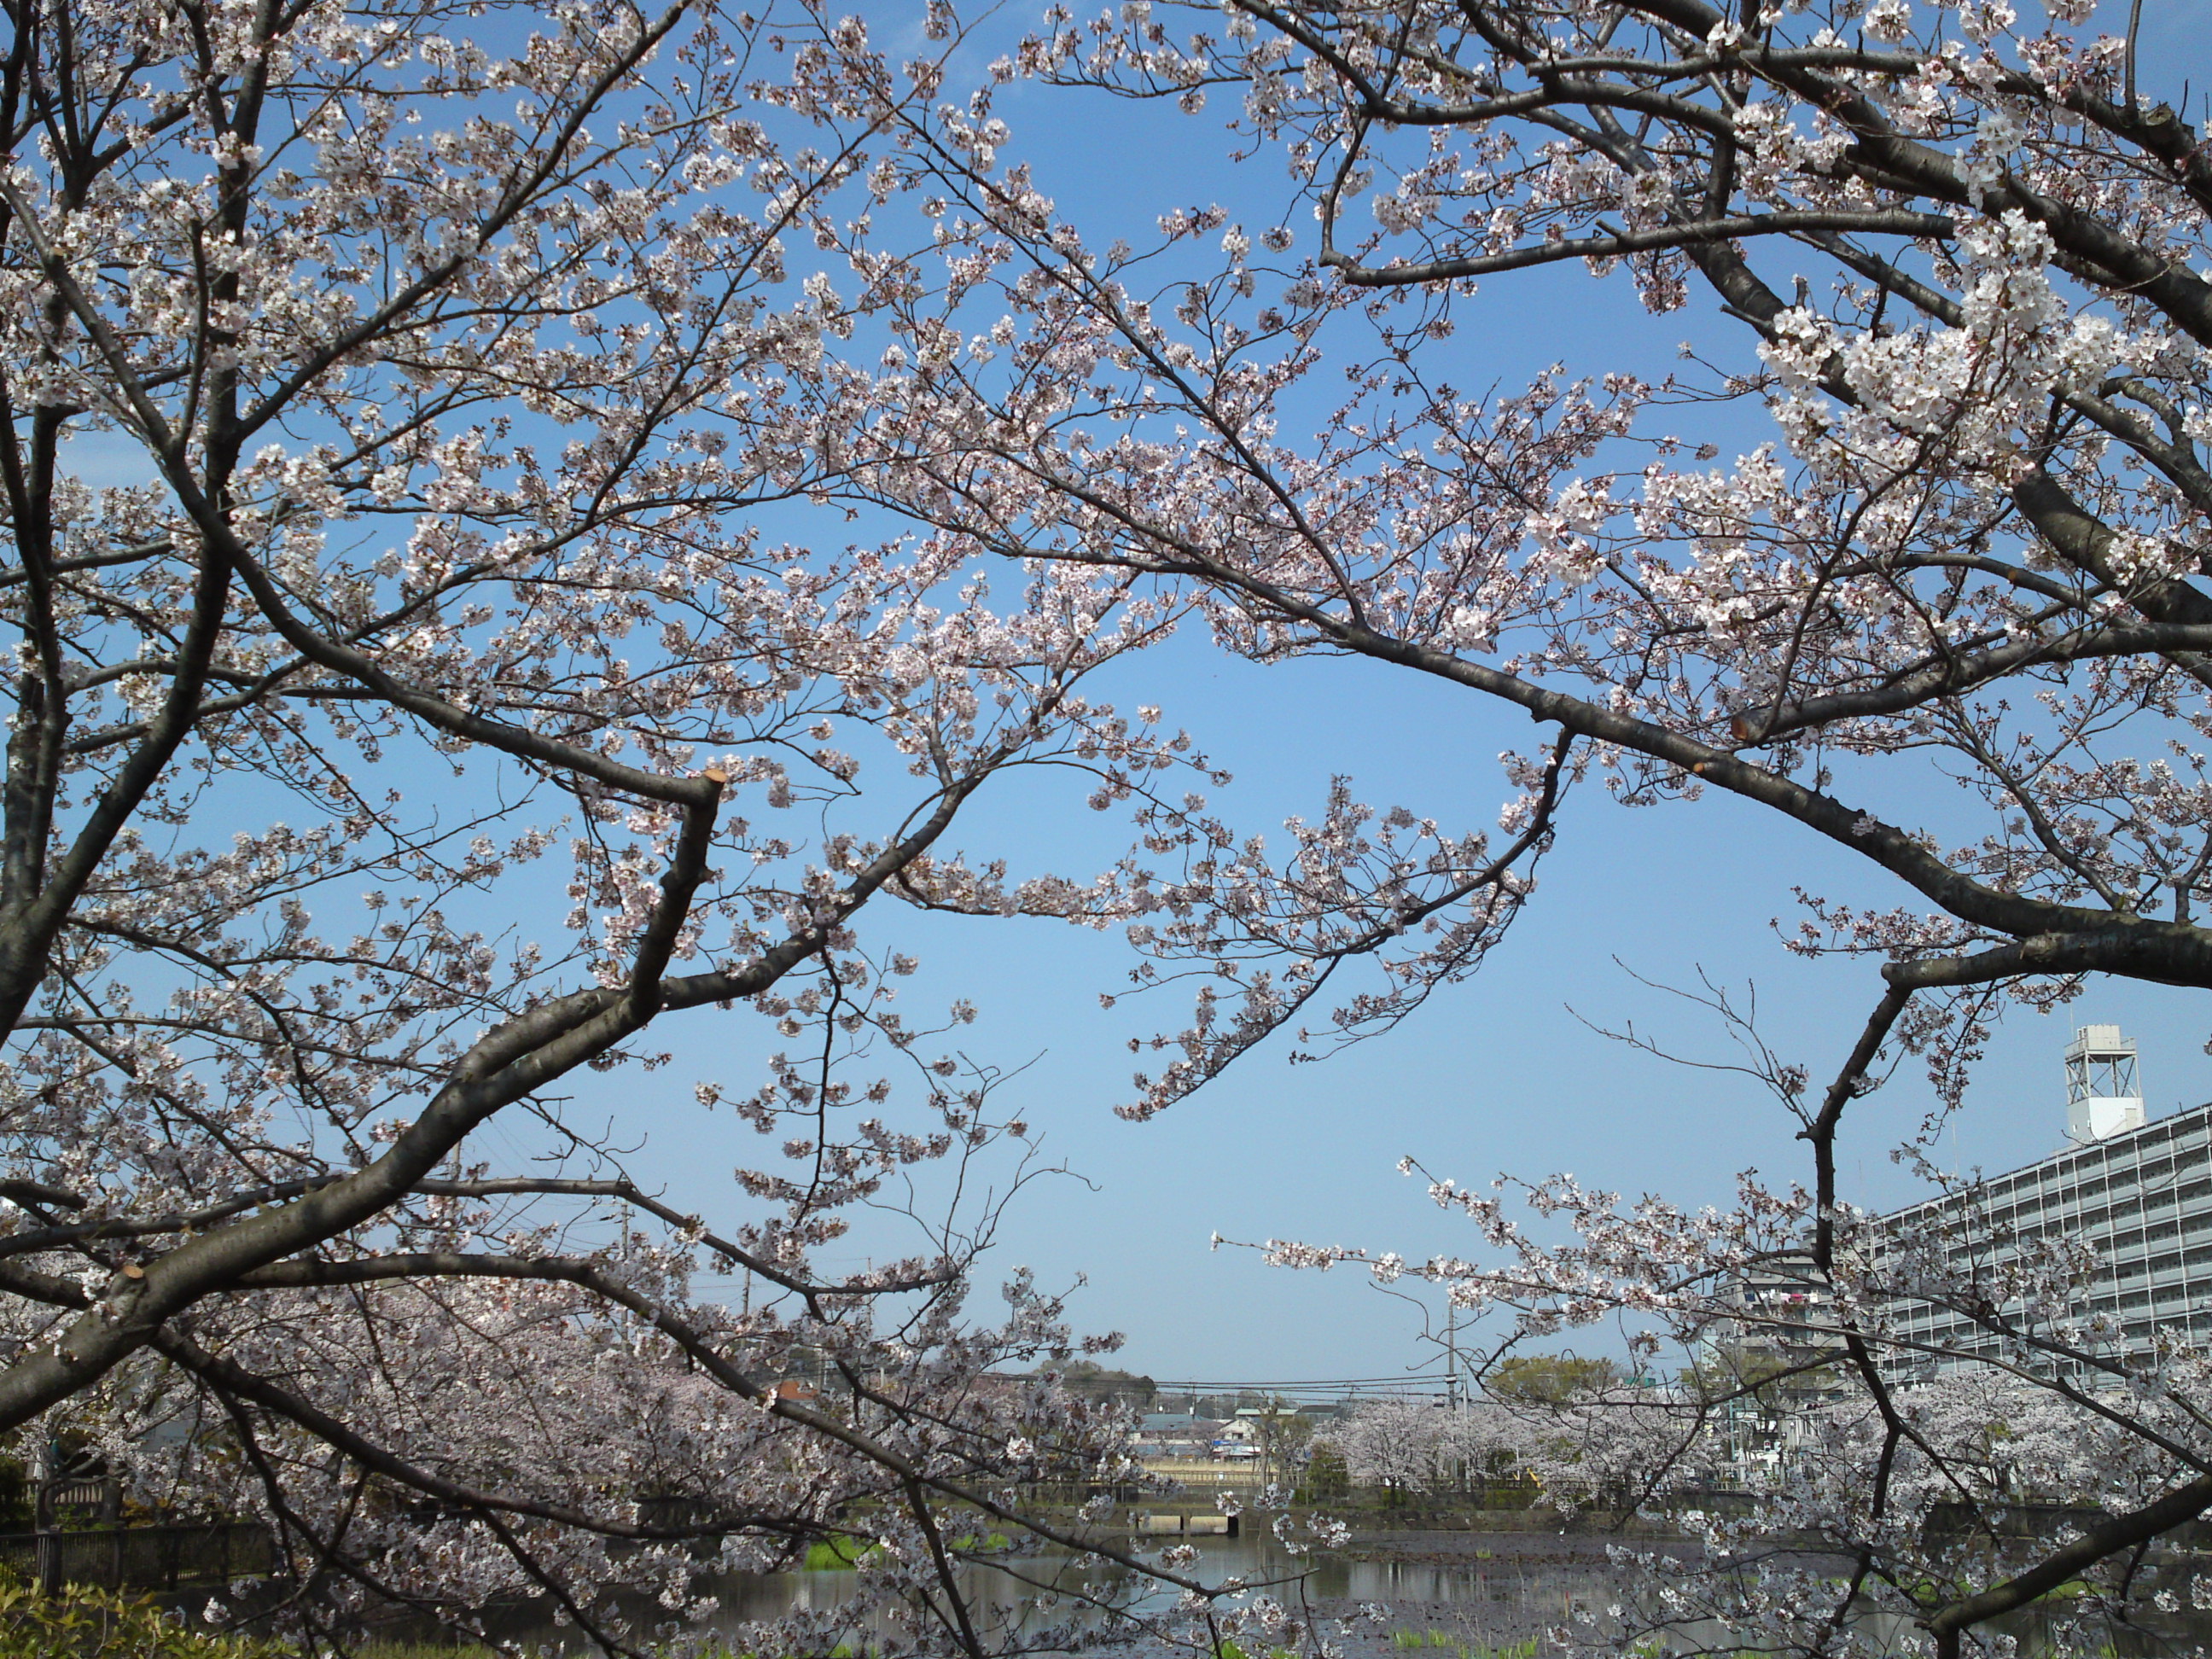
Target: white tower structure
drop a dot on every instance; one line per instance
(2103, 1093)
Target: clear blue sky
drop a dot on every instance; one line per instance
(1498, 1074)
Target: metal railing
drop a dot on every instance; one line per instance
(141, 1558)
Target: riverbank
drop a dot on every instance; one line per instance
(1133, 1521)
(1470, 1550)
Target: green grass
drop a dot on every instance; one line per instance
(839, 1552)
(471, 1650)
(1410, 1640)
(843, 1553)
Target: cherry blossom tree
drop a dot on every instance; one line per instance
(1611, 1447)
(1949, 618)
(1420, 1445)
(1392, 1443)
(432, 679)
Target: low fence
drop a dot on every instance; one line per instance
(1200, 1476)
(160, 1557)
(1201, 1473)
(1191, 1526)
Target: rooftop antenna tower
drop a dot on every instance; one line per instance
(2103, 1091)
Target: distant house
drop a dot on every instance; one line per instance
(1176, 1434)
(1241, 1438)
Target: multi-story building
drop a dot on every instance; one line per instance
(1774, 1360)
(2138, 1193)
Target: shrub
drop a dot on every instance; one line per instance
(85, 1623)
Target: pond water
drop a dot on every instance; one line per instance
(1488, 1601)
(1512, 1574)
(1449, 1596)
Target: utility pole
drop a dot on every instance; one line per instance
(45, 1475)
(1451, 1387)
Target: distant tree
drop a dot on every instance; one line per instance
(1550, 1379)
(1619, 1447)
(1087, 1379)
(1420, 1445)
(1327, 1474)
(1284, 1434)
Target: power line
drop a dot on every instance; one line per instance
(1339, 1387)
(1301, 1382)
